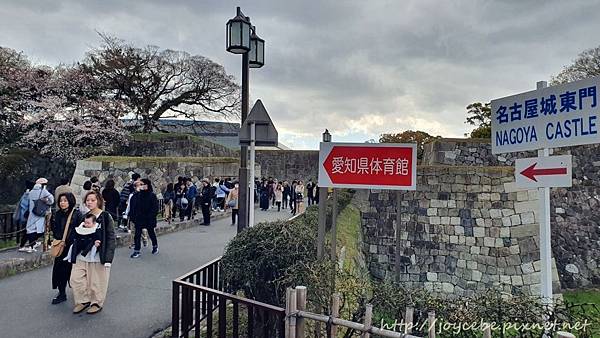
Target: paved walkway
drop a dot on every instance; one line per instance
(139, 295)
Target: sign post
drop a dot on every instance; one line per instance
(545, 118)
(368, 166)
(257, 130)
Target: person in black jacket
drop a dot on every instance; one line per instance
(61, 270)
(143, 211)
(111, 198)
(206, 196)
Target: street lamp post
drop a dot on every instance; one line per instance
(242, 39)
(322, 210)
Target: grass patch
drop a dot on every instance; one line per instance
(583, 296)
(156, 159)
(348, 235)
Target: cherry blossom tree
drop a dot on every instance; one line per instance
(73, 120)
(159, 84)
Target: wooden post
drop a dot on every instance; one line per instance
(335, 312)
(334, 238)
(398, 220)
(408, 319)
(562, 334)
(368, 320)
(301, 305)
(292, 316)
(431, 324)
(487, 332)
(288, 295)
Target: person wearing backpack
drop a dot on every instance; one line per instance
(22, 213)
(40, 201)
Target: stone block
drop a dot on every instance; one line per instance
(495, 213)
(506, 221)
(476, 275)
(432, 276)
(478, 231)
(527, 268)
(472, 265)
(522, 207)
(432, 212)
(507, 212)
(455, 220)
(489, 241)
(522, 196)
(516, 280)
(435, 220)
(525, 230)
(475, 250)
(515, 220)
(528, 218)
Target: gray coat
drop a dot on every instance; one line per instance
(37, 223)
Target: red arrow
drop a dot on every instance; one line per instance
(531, 172)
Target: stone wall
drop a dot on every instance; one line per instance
(175, 146)
(575, 224)
(160, 172)
(471, 152)
(289, 164)
(465, 229)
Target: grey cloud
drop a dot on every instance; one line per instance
(343, 64)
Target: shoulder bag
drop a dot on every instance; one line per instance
(58, 245)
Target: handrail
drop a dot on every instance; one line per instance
(229, 296)
(193, 272)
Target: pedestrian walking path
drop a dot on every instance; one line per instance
(139, 294)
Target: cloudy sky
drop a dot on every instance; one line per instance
(359, 68)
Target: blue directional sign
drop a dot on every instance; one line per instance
(551, 117)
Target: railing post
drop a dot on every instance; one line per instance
(487, 332)
(335, 312)
(408, 319)
(431, 324)
(368, 320)
(292, 314)
(301, 305)
(175, 311)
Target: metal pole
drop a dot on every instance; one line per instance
(243, 198)
(334, 227)
(398, 220)
(252, 159)
(322, 218)
(545, 232)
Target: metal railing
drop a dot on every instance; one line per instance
(9, 230)
(200, 306)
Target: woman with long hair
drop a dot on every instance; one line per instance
(65, 219)
(144, 208)
(90, 273)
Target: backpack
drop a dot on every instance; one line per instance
(40, 207)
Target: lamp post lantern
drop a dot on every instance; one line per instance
(257, 50)
(242, 39)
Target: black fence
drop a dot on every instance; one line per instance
(202, 308)
(10, 232)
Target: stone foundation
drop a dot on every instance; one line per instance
(464, 230)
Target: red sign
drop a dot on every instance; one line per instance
(368, 166)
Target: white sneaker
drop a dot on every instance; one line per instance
(36, 245)
(23, 249)
(30, 250)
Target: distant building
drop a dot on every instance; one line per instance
(223, 133)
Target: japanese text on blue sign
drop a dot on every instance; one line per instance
(552, 117)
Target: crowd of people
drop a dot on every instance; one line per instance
(83, 225)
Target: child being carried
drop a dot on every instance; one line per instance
(87, 237)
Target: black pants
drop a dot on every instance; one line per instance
(61, 272)
(234, 214)
(206, 213)
(311, 200)
(31, 238)
(137, 237)
(278, 205)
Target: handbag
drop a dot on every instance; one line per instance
(40, 206)
(231, 203)
(58, 245)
